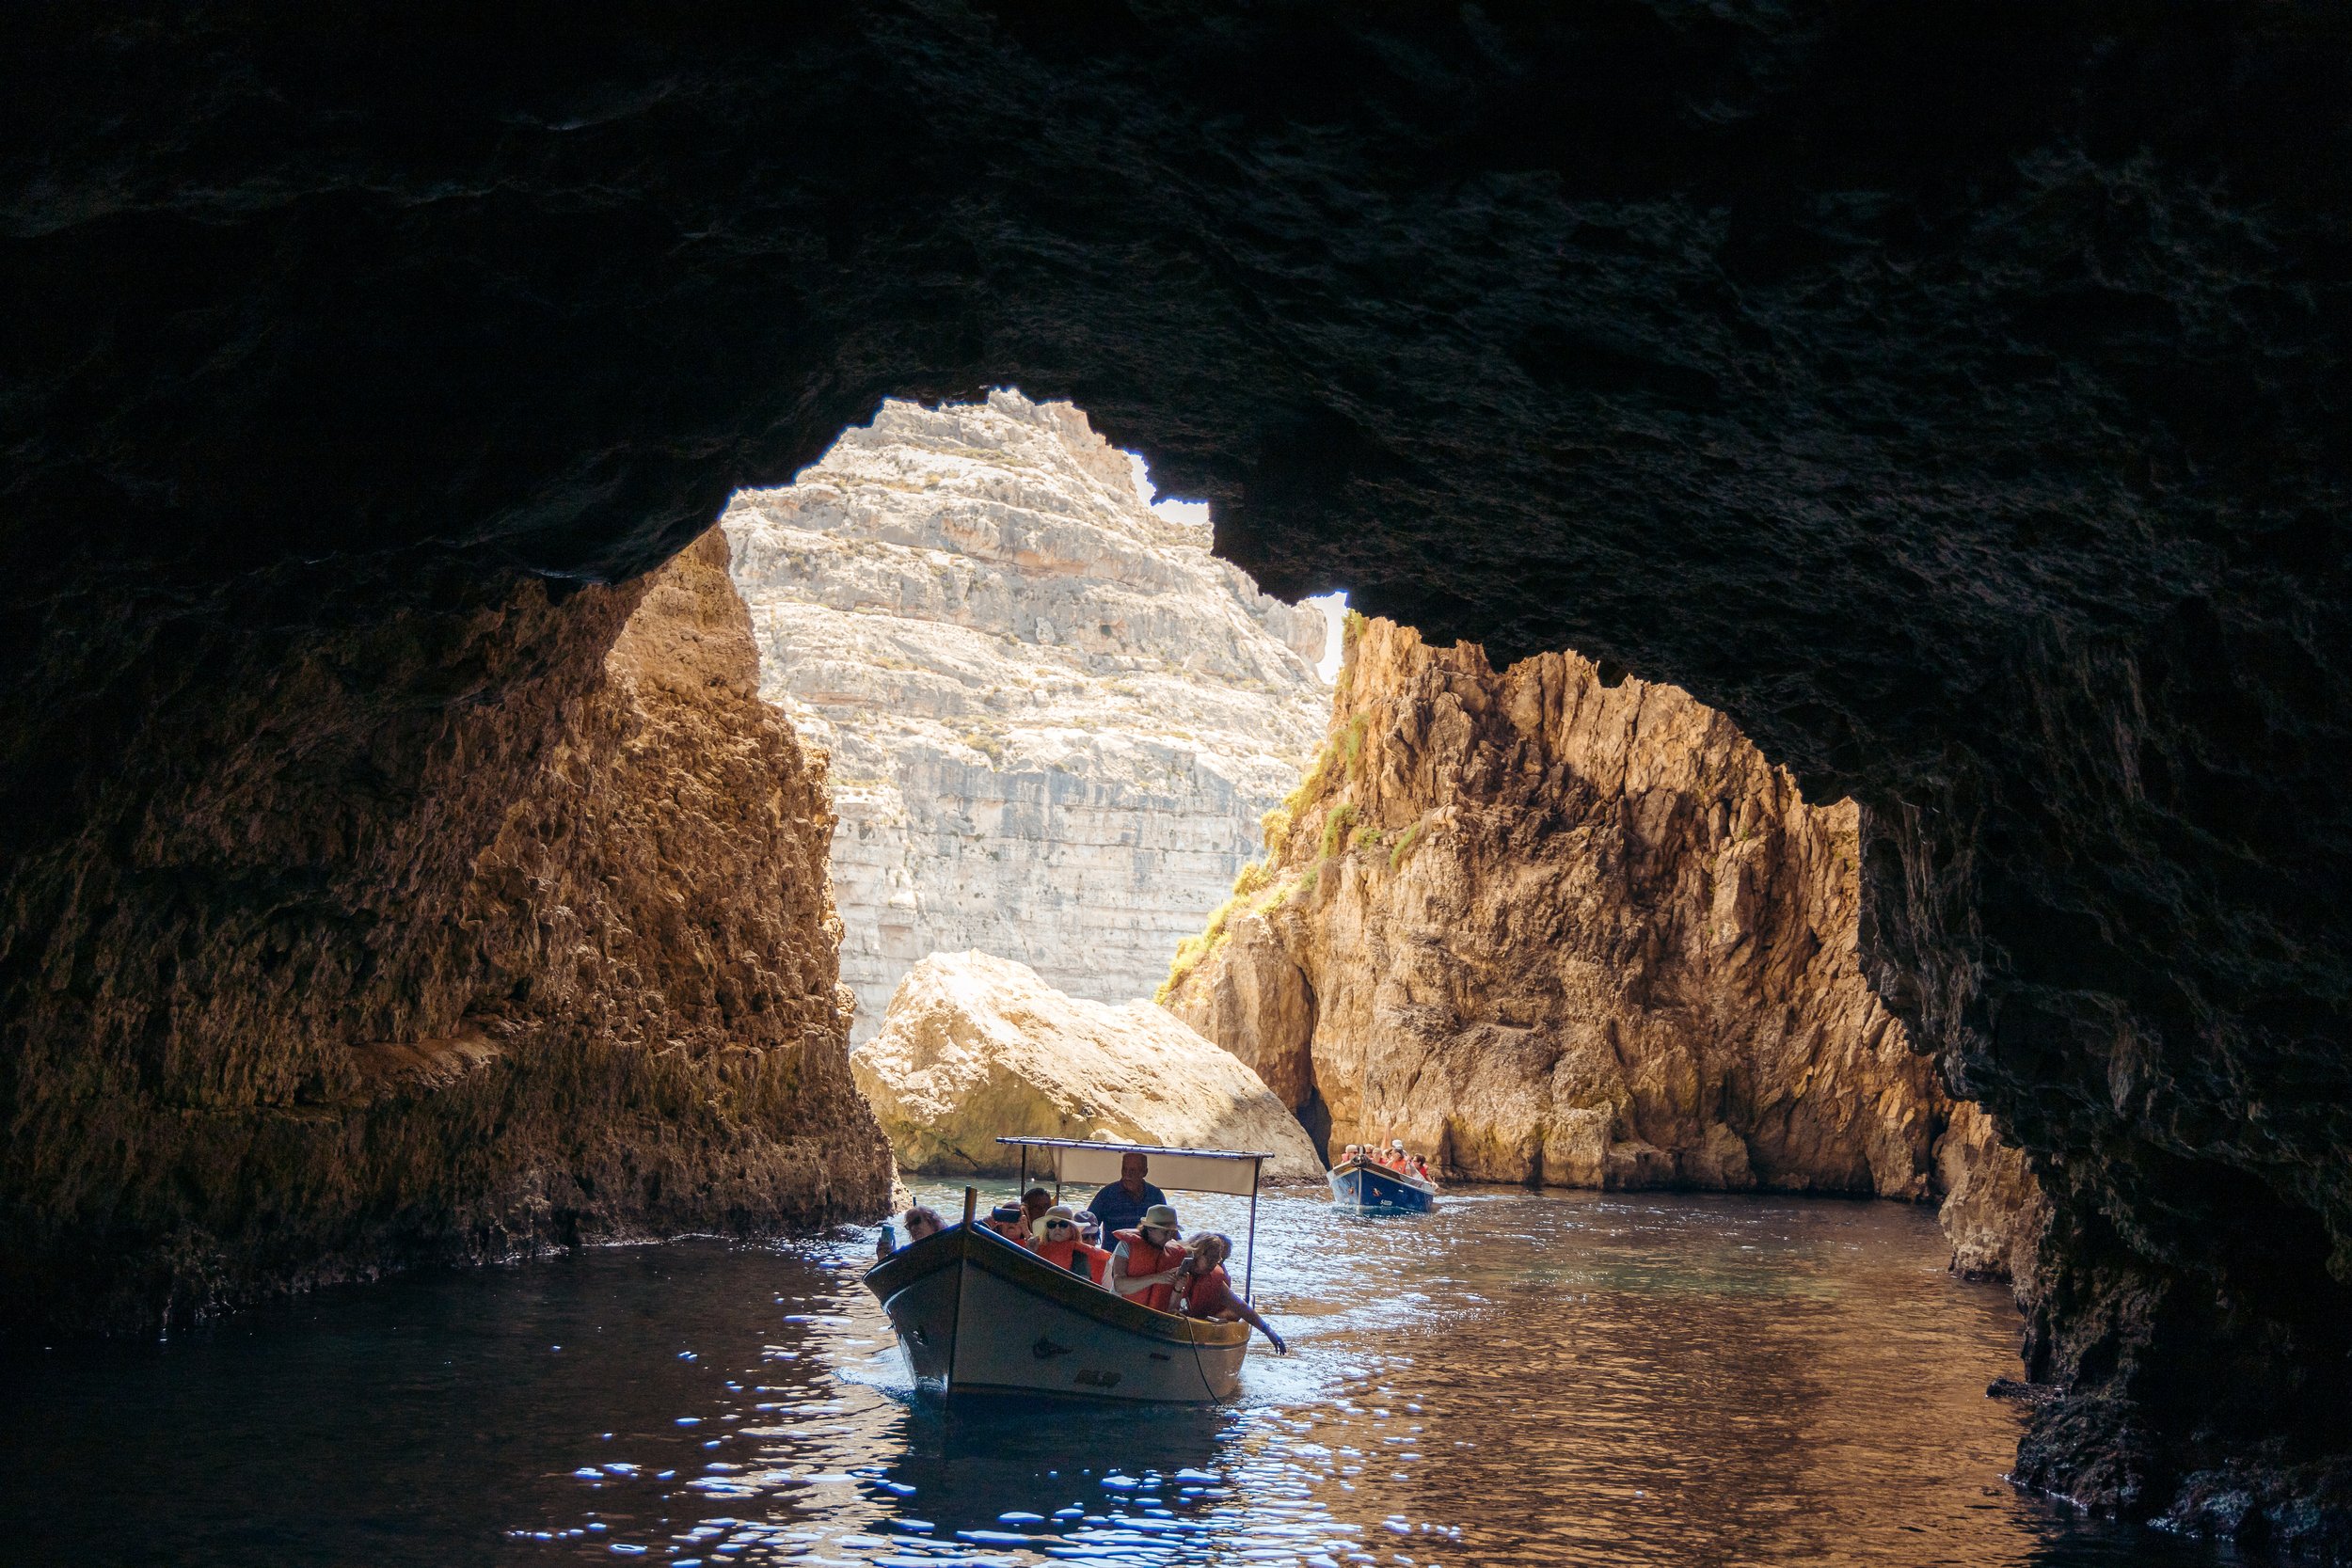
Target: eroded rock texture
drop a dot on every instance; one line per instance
(1953, 396)
(1555, 931)
(1054, 718)
(976, 1047)
(548, 959)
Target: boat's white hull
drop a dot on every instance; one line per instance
(976, 1315)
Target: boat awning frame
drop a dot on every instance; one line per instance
(1079, 1160)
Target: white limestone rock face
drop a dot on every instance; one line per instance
(976, 1047)
(1053, 716)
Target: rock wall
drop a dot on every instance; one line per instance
(976, 1047)
(1566, 932)
(541, 956)
(1053, 716)
(1994, 1210)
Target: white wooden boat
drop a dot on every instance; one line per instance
(977, 1314)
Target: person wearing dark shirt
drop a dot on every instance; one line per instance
(1120, 1205)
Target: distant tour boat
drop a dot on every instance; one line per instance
(979, 1314)
(1367, 1187)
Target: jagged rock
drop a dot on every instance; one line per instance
(1564, 932)
(1053, 716)
(1994, 1210)
(977, 1046)
(561, 971)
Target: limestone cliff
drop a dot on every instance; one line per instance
(1567, 932)
(977, 1046)
(556, 964)
(1055, 718)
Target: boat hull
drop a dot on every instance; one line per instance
(975, 1314)
(1368, 1189)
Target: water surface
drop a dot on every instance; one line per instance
(1538, 1379)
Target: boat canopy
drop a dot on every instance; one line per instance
(1190, 1170)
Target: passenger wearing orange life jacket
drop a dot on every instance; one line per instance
(1206, 1291)
(1145, 1263)
(1053, 1236)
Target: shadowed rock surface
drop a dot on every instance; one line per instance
(1953, 396)
(1558, 932)
(546, 960)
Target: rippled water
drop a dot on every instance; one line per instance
(1562, 1378)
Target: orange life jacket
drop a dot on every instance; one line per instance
(1060, 1253)
(1144, 1258)
(1211, 1294)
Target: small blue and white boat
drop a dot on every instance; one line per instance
(1362, 1187)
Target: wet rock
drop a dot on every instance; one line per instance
(976, 1047)
(2296, 1510)
(1054, 718)
(2094, 1451)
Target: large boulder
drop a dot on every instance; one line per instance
(975, 1048)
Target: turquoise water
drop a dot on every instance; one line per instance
(1538, 1379)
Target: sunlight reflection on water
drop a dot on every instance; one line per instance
(1557, 1378)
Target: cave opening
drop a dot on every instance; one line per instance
(1073, 757)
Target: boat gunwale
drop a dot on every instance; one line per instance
(1371, 1167)
(1018, 1266)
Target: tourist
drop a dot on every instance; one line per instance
(1089, 1228)
(1122, 1203)
(1009, 1221)
(919, 1223)
(1205, 1291)
(1144, 1263)
(1421, 1170)
(1034, 1203)
(1395, 1159)
(1355, 1152)
(1053, 1236)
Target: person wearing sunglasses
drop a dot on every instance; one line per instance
(1055, 1237)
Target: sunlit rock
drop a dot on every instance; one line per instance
(977, 1046)
(1559, 931)
(1055, 718)
(1994, 1210)
(598, 1000)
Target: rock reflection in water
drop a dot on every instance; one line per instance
(1522, 1379)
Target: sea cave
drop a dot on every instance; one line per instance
(1867, 491)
